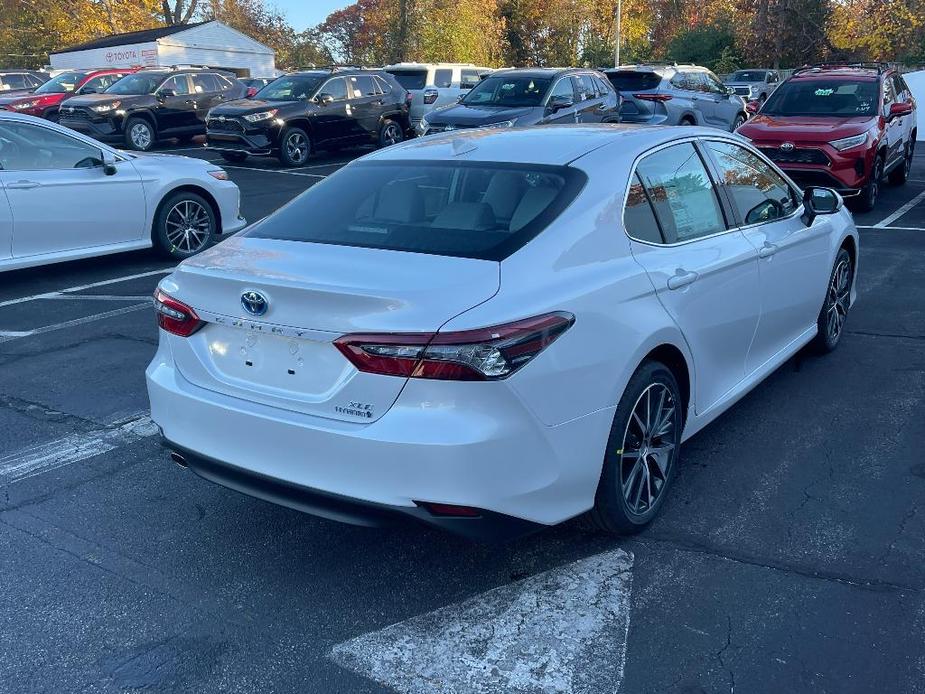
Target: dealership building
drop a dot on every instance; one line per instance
(206, 43)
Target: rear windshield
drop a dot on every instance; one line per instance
(634, 81)
(463, 209)
(410, 79)
(824, 98)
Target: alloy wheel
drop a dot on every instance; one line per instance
(391, 135)
(297, 147)
(140, 135)
(838, 299)
(874, 190)
(188, 226)
(649, 445)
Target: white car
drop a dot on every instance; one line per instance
(496, 330)
(65, 196)
(433, 85)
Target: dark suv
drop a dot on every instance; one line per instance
(839, 126)
(312, 109)
(151, 104)
(529, 96)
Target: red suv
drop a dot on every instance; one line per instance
(45, 101)
(839, 126)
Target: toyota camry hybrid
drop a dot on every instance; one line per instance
(497, 330)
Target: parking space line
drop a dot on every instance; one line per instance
(275, 171)
(94, 297)
(8, 336)
(900, 212)
(861, 226)
(73, 448)
(563, 630)
(80, 288)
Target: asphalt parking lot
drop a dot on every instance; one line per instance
(790, 556)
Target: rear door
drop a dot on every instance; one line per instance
(6, 225)
(60, 197)
(207, 93)
(367, 104)
(591, 106)
(704, 271)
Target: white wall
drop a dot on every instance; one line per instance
(128, 55)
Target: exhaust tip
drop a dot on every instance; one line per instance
(178, 459)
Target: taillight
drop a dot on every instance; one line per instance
(653, 97)
(174, 316)
(430, 96)
(251, 92)
(484, 354)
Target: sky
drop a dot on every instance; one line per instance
(305, 13)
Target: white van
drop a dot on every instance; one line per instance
(435, 84)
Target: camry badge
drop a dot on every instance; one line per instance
(254, 303)
(787, 147)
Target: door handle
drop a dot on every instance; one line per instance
(767, 250)
(681, 278)
(22, 185)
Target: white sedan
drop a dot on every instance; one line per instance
(499, 329)
(65, 196)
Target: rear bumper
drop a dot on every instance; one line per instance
(441, 442)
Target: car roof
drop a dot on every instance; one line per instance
(836, 72)
(540, 144)
(539, 71)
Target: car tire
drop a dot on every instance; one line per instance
(834, 312)
(295, 147)
(619, 506)
(52, 115)
(737, 123)
(390, 133)
(867, 200)
(185, 224)
(234, 157)
(900, 174)
(139, 134)
(687, 120)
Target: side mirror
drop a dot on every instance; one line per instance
(730, 91)
(753, 106)
(898, 110)
(557, 103)
(324, 99)
(460, 98)
(109, 162)
(818, 201)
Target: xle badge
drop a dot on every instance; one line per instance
(356, 409)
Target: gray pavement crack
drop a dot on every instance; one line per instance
(44, 413)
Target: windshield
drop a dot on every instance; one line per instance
(508, 90)
(462, 209)
(748, 76)
(824, 98)
(64, 83)
(410, 79)
(136, 84)
(290, 88)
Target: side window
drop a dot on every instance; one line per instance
(26, 147)
(97, 84)
(36, 81)
(336, 87)
(383, 85)
(469, 78)
(563, 88)
(179, 84)
(443, 78)
(13, 82)
(682, 80)
(757, 191)
(363, 86)
(682, 193)
(713, 84)
(603, 86)
(225, 83)
(900, 88)
(888, 96)
(204, 83)
(590, 89)
(638, 218)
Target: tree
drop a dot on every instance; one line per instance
(181, 13)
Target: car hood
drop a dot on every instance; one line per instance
(240, 107)
(88, 100)
(473, 116)
(764, 128)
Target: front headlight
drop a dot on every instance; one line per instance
(849, 142)
(500, 124)
(22, 106)
(753, 89)
(261, 116)
(104, 108)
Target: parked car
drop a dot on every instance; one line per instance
(842, 126)
(497, 330)
(13, 82)
(255, 84)
(676, 95)
(45, 101)
(433, 85)
(65, 196)
(753, 84)
(529, 96)
(301, 112)
(150, 105)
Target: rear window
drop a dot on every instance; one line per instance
(410, 79)
(632, 81)
(463, 209)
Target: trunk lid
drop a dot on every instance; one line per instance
(314, 293)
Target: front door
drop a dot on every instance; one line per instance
(792, 258)
(704, 273)
(60, 197)
(176, 111)
(6, 227)
(562, 88)
(894, 126)
(333, 120)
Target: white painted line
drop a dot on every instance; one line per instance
(52, 455)
(274, 171)
(560, 631)
(891, 227)
(14, 335)
(900, 212)
(94, 297)
(80, 288)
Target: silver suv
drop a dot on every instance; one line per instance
(753, 84)
(675, 95)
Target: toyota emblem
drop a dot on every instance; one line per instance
(254, 303)
(221, 119)
(787, 147)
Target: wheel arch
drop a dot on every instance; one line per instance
(303, 124)
(189, 188)
(672, 357)
(143, 115)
